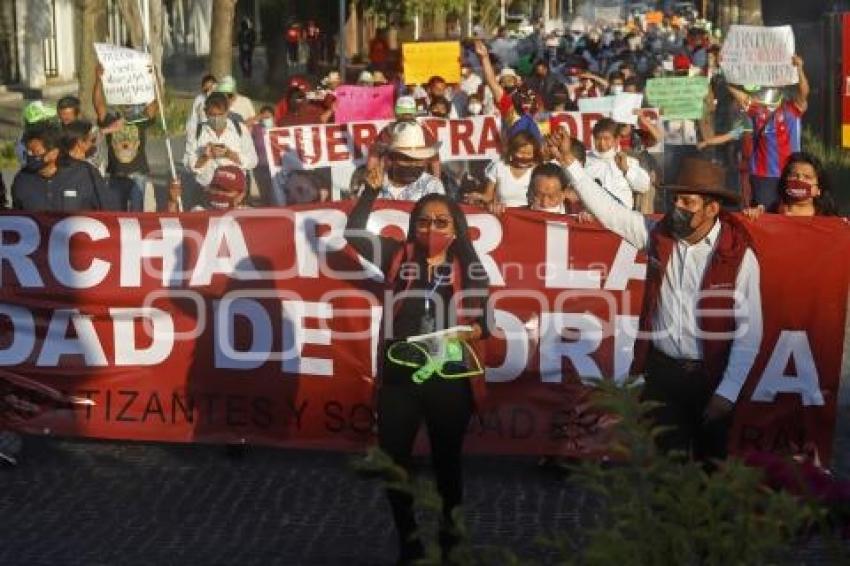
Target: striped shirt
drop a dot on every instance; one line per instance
(776, 135)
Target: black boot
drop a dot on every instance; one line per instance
(410, 551)
(449, 541)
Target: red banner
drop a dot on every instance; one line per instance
(261, 325)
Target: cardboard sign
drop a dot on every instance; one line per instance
(680, 98)
(603, 104)
(363, 103)
(423, 60)
(127, 75)
(656, 18)
(755, 55)
(624, 108)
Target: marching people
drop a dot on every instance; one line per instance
(803, 190)
(126, 142)
(694, 366)
(221, 141)
(508, 178)
(436, 283)
(777, 133)
(51, 181)
(403, 164)
(616, 174)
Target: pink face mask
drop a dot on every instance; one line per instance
(798, 190)
(433, 242)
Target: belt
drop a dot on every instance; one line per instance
(684, 364)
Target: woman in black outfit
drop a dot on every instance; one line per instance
(433, 278)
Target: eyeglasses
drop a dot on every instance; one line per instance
(440, 223)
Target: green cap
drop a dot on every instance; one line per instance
(752, 88)
(227, 85)
(38, 111)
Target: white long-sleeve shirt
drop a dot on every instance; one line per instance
(619, 186)
(675, 329)
(242, 144)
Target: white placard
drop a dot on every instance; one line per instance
(755, 55)
(127, 75)
(625, 105)
(602, 104)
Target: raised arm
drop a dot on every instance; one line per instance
(97, 98)
(628, 224)
(487, 69)
(741, 97)
(803, 89)
(379, 250)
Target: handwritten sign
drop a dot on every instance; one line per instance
(755, 55)
(423, 60)
(127, 76)
(680, 98)
(355, 103)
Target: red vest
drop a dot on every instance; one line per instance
(720, 275)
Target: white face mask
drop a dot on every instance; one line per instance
(475, 108)
(616, 89)
(610, 154)
(556, 209)
(268, 123)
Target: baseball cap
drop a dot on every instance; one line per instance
(405, 105)
(227, 85)
(227, 185)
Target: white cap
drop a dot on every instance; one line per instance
(365, 78)
(405, 105)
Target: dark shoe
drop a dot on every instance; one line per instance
(10, 447)
(410, 552)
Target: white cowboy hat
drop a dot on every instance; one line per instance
(408, 139)
(507, 72)
(333, 77)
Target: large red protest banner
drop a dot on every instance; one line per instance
(261, 325)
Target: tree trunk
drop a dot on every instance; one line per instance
(133, 20)
(94, 31)
(221, 47)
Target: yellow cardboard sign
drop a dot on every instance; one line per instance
(654, 18)
(425, 59)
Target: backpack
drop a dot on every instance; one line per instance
(235, 119)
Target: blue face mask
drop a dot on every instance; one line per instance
(35, 163)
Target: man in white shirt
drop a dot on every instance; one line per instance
(701, 325)
(222, 140)
(197, 115)
(616, 174)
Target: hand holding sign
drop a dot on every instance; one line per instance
(755, 55)
(126, 75)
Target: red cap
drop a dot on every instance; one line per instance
(300, 83)
(227, 185)
(681, 62)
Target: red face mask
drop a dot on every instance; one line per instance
(797, 189)
(433, 242)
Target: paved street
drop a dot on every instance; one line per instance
(103, 503)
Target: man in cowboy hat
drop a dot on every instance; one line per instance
(701, 324)
(401, 171)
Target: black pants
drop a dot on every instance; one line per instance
(246, 62)
(685, 390)
(446, 407)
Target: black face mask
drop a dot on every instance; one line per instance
(678, 221)
(404, 174)
(510, 89)
(34, 163)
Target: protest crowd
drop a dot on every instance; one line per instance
(607, 123)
